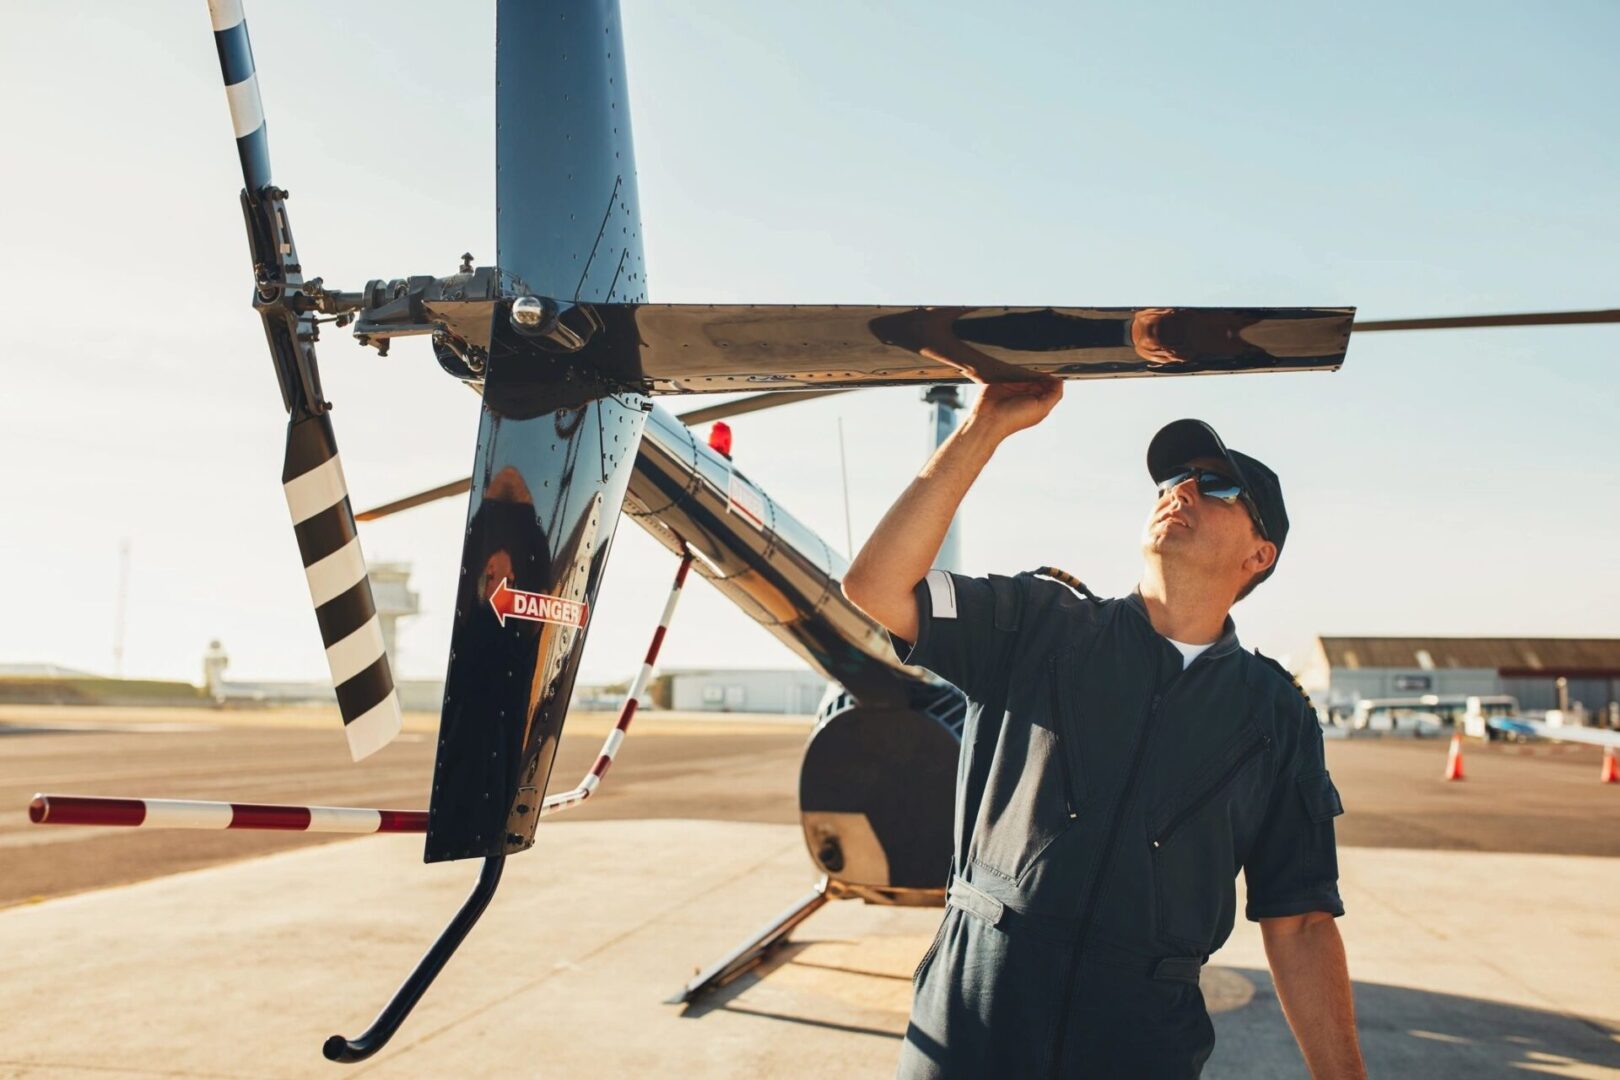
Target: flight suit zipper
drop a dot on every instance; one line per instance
(1258, 745)
(1060, 699)
(1154, 706)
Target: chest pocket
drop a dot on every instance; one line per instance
(1031, 796)
(1194, 840)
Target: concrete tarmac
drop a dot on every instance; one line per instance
(1472, 956)
(736, 769)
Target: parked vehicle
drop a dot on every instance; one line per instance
(1397, 717)
(1482, 709)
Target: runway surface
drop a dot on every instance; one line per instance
(1480, 919)
(1516, 799)
(744, 770)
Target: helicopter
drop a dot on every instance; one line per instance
(570, 359)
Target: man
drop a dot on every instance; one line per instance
(1122, 760)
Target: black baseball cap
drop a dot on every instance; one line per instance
(1181, 441)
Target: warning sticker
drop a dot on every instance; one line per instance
(536, 607)
(745, 500)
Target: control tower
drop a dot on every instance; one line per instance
(215, 661)
(390, 586)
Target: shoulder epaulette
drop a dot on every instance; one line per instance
(1285, 673)
(1068, 579)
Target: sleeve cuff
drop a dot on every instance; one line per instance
(915, 652)
(903, 649)
(1327, 901)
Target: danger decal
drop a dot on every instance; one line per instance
(536, 607)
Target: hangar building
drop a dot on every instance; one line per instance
(1542, 673)
(744, 690)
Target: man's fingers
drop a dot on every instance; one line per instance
(1026, 388)
(1044, 391)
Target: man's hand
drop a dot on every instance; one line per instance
(907, 540)
(1313, 984)
(1005, 407)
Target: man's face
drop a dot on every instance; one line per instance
(1203, 535)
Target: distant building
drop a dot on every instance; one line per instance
(44, 671)
(215, 661)
(744, 690)
(394, 600)
(1542, 673)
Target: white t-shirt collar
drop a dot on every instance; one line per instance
(1189, 653)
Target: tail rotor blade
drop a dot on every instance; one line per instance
(329, 546)
(241, 90)
(312, 475)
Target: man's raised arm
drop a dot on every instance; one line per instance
(902, 548)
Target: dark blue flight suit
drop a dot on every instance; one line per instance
(1106, 800)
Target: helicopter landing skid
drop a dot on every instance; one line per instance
(752, 951)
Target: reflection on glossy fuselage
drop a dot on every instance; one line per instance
(706, 348)
(774, 568)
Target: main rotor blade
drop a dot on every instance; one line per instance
(1045, 319)
(443, 491)
(705, 348)
(1464, 322)
(753, 403)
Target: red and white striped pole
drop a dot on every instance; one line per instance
(555, 804)
(193, 814)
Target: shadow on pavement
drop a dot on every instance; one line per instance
(1406, 1032)
(725, 997)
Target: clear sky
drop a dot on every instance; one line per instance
(1408, 159)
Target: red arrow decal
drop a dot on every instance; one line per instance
(536, 607)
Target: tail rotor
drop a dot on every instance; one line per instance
(318, 500)
(312, 474)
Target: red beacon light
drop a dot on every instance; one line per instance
(720, 438)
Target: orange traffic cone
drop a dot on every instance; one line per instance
(1611, 767)
(1454, 766)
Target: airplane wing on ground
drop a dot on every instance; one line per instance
(1590, 736)
(1556, 733)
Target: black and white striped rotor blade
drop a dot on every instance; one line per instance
(338, 586)
(241, 91)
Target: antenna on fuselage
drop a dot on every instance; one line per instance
(943, 403)
(843, 471)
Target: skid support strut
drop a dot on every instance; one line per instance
(556, 804)
(753, 950)
(375, 1037)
